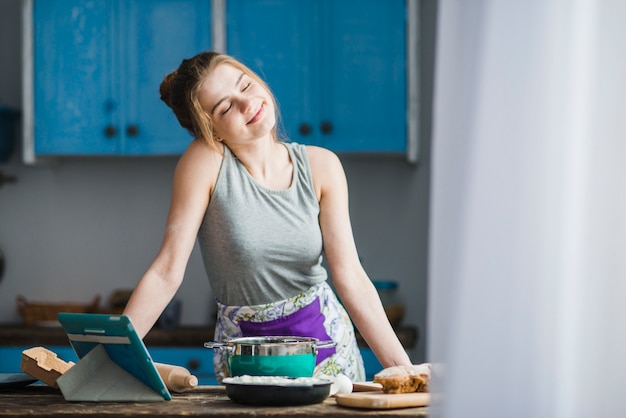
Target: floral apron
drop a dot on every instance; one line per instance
(315, 313)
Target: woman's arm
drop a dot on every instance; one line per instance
(194, 179)
(350, 280)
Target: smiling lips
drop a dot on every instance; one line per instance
(258, 115)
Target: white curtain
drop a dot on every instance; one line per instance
(527, 291)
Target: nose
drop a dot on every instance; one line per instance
(245, 104)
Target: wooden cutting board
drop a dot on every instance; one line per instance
(380, 400)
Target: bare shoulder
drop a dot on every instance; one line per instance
(200, 155)
(322, 160)
(200, 163)
(326, 170)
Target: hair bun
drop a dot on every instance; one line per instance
(165, 88)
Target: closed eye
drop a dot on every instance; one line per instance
(227, 109)
(246, 87)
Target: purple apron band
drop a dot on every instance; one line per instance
(306, 322)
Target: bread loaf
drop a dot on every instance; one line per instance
(404, 379)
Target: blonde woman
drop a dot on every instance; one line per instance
(265, 212)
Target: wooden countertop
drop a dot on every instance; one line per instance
(204, 401)
(18, 335)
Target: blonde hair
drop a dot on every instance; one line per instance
(179, 90)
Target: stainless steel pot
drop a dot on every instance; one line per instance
(271, 356)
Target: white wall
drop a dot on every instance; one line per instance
(91, 225)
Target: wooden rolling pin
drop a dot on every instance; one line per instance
(176, 378)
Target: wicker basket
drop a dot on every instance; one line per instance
(44, 312)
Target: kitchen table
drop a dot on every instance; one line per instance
(43, 401)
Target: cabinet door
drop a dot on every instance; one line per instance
(363, 85)
(74, 47)
(98, 66)
(276, 39)
(159, 34)
(336, 67)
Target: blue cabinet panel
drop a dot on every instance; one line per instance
(364, 88)
(276, 39)
(163, 33)
(74, 53)
(337, 67)
(97, 69)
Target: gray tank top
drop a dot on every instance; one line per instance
(260, 245)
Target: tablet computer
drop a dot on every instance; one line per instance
(121, 342)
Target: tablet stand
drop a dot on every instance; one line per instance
(97, 378)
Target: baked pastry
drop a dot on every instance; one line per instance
(404, 379)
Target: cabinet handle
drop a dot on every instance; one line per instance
(110, 131)
(326, 127)
(132, 130)
(193, 364)
(304, 129)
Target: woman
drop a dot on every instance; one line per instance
(264, 212)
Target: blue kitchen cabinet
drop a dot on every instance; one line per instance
(337, 68)
(97, 67)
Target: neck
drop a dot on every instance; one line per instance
(267, 162)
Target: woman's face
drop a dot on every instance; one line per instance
(241, 109)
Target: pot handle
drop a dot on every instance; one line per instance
(212, 344)
(325, 344)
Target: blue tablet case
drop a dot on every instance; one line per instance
(116, 365)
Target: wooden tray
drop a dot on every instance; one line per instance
(369, 395)
(380, 400)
